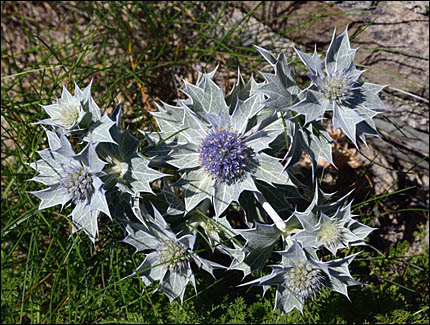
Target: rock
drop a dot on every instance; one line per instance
(394, 42)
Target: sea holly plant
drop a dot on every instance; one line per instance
(107, 167)
(220, 176)
(219, 155)
(301, 275)
(127, 170)
(72, 178)
(79, 113)
(353, 103)
(169, 261)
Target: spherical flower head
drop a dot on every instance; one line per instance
(224, 156)
(337, 87)
(173, 253)
(304, 280)
(331, 233)
(78, 182)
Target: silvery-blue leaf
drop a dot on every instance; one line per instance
(340, 277)
(185, 156)
(240, 91)
(91, 159)
(259, 243)
(218, 120)
(276, 91)
(279, 87)
(314, 142)
(54, 195)
(286, 301)
(96, 113)
(49, 167)
(65, 147)
(216, 103)
(286, 75)
(169, 120)
(244, 111)
(307, 239)
(346, 119)
(224, 195)
(270, 170)
(173, 283)
(367, 116)
(209, 75)
(206, 264)
(360, 230)
(209, 99)
(193, 128)
(339, 54)
(157, 147)
(328, 206)
(261, 236)
(83, 218)
(176, 205)
(312, 107)
(142, 174)
(151, 269)
(266, 54)
(53, 139)
(116, 116)
(238, 256)
(198, 186)
(127, 145)
(127, 170)
(99, 130)
(308, 219)
(313, 63)
(370, 93)
(98, 199)
(256, 259)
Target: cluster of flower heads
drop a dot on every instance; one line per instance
(237, 148)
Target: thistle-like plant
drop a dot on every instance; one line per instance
(72, 178)
(282, 92)
(334, 233)
(126, 169)
(79, 113)
(353, 103)
(170, 256)
(224, 150)
(220, 154)
(301, 275)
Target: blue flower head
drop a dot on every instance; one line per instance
(220, 152)
(224, 156)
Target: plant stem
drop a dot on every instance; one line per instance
(271, 212)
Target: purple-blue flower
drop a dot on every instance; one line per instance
(224, 156)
